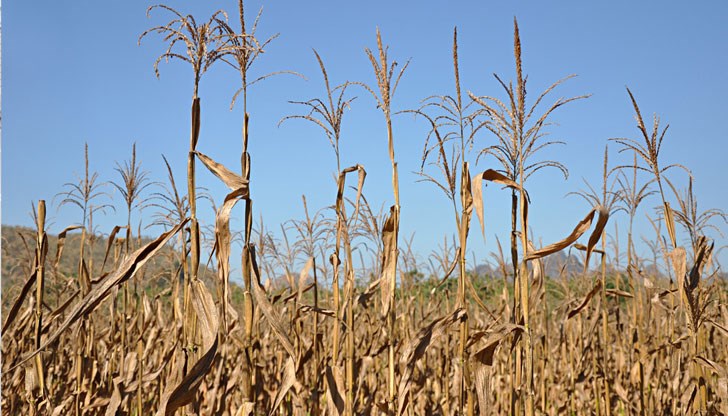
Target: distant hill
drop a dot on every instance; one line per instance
(555, 265)
(18, 253)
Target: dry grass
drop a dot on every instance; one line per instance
(535, 337)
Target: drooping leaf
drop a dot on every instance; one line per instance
(287, 381)
(274, 319)
(573, 312)
(222, 243)
(208, 325)
(334, 381)
(389, 258)
(61, 242)
(487, 344)
(109, 244)
(232, 180)
(477, 190)
(19, 301)
(416, 349)
(578, 231)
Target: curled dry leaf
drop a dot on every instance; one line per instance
(582, 247)
(115, 400)
(688, 283)
(490, 340)
(246, 409)
(195, 122)
(537, 285)
(712, 366)
(491, 176)
(678, 257)
(720, 327)
(670, 222)
(722, 392)
(19, 302)
(62, 241)
(27, 286)
(578, 231)
(325, 312)
(359, 187)
(466, 201)
(302, 279)
(389, 258)
(363, 298)
(618, 293)
(109, 244)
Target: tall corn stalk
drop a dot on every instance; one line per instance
(312, 235)
(173, 209)
(82, 194)
(384, 72)
(695, 297)
(454, 123)
(328, 114)
(198, 49)
(41, 249)
(134, 181)
(519, 135)
(240, 49)
(648, 152)
(608, 198)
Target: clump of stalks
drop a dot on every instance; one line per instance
(695, 222)
(172, 208)
(134, 181)
(608, 198)
(312, 235)
(632, 196)
(692, 298)
(83, 194)
(649, 152)
(328, 114)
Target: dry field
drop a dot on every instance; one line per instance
(315, 329)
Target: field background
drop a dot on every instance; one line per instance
(369, 228)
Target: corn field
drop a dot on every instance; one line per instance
(126, 324)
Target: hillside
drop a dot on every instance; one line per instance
(18, 252)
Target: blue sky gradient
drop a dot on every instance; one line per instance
(72, 72)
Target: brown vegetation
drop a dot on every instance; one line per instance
(137, 326)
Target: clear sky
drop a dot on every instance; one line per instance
(72, 72)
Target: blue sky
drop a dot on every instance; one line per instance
(72, 72)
